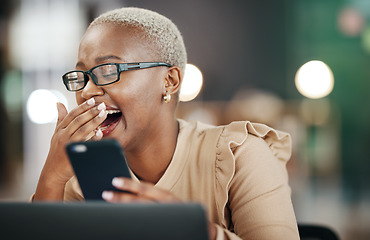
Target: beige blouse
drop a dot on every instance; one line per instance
(238, 172)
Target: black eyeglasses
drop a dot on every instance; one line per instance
(103, 74)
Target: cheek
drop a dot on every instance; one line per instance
(131, 99)
(138, 91)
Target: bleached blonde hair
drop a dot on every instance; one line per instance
(161, 31)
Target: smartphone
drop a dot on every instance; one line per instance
(95, 164)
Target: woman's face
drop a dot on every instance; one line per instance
(137, 96)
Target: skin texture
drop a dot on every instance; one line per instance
(147, 130)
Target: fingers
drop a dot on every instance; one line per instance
(83, 125)
(118, 197)
(95, 135)
(62, 112)
(81, 122)
(90, 136)
(137, 192)
(77, 112)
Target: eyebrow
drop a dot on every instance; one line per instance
(104, 58)
(100, 59)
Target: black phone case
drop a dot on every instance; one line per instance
(95, 164)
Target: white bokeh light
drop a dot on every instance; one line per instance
(41, 105)
(191, 84)
(314, 79)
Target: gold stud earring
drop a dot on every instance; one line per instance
(167, 97)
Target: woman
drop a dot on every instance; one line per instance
(236, 171)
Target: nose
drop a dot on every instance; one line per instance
(91, 90)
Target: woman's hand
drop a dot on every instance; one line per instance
(137, 192)
(78, 125)
(72, 127)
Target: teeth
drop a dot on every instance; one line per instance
(109, 112)
(101, 128)
(112, 111)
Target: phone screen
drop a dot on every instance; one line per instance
(95, 164)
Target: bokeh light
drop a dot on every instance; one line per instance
(11, 93)
(41, 105)
(314, 79)
(350, 21)
(365, 40)
(191, 84)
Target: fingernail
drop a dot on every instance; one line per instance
(107, 195)
(102, 113)
(91, 101)
(117, 182)
(101, 106)
(99, 133)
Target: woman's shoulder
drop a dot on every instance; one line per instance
(256, 137)
(240, 133)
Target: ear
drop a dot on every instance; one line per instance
(173, 80)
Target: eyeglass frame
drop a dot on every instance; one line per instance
(121, 67)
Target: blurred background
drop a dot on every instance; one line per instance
(302, 66)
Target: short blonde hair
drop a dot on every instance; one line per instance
(161, 31)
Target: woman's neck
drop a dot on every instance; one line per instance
(151, 161)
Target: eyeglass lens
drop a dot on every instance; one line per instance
(102, 75)
(106, 73)
(75, 80)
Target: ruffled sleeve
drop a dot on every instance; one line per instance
(253, 195)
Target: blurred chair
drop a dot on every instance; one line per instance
(316, 232)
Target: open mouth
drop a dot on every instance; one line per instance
(110, 123)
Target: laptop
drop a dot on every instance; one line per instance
(98, 220)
